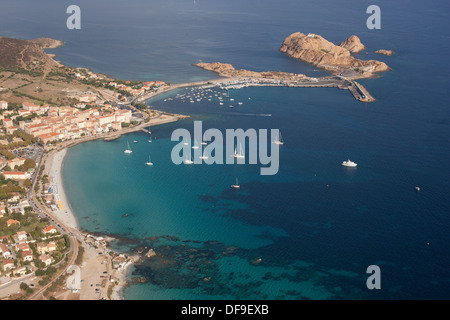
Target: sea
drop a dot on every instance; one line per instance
(312, 230)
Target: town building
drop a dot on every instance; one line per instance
(11, 222)
(7, 264)
(3, 105)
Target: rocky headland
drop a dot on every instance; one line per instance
(27, 54)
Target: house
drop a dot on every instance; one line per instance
(45, 258)
(51, 246)
(15, 197)
(16, 162)
(41, 247)
(11, 129)
(5, 251)
(5, 239)
(11, 222)
(49, 230)
(7, 264)
(119, 261)
(27, 255)
(7, 123)
(3, 105)
(21, 236)
(23, 247)
(30, 106)
(21, 271)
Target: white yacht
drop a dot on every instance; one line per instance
(149, 163)
(236, 186)
(349, 163)
(128, 149)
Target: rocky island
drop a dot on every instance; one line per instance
(385, 52)
(319, 52)
(322, 53)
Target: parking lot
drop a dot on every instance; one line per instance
(31, 152)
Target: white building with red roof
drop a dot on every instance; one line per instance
(49, 230)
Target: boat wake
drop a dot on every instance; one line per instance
(251, 114)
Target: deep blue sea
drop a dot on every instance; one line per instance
(309, 232)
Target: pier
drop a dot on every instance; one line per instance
(360, 93)
(357, 90)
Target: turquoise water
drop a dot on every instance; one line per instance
(308, 232)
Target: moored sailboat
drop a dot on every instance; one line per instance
(236, 186)
(128, 149)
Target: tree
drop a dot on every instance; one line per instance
(23, 286)
(29, 164)
(27, 183)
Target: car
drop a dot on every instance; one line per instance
(105, 271)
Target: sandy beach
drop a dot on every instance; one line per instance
(55, 163)
(96, 268)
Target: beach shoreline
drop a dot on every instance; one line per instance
(56, 163)
(93, 259)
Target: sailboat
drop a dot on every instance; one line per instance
(240, 154)
(279, 140)
(188, 160)
(204, 156)
(128, 149)
(149, 163)
(236, 186)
